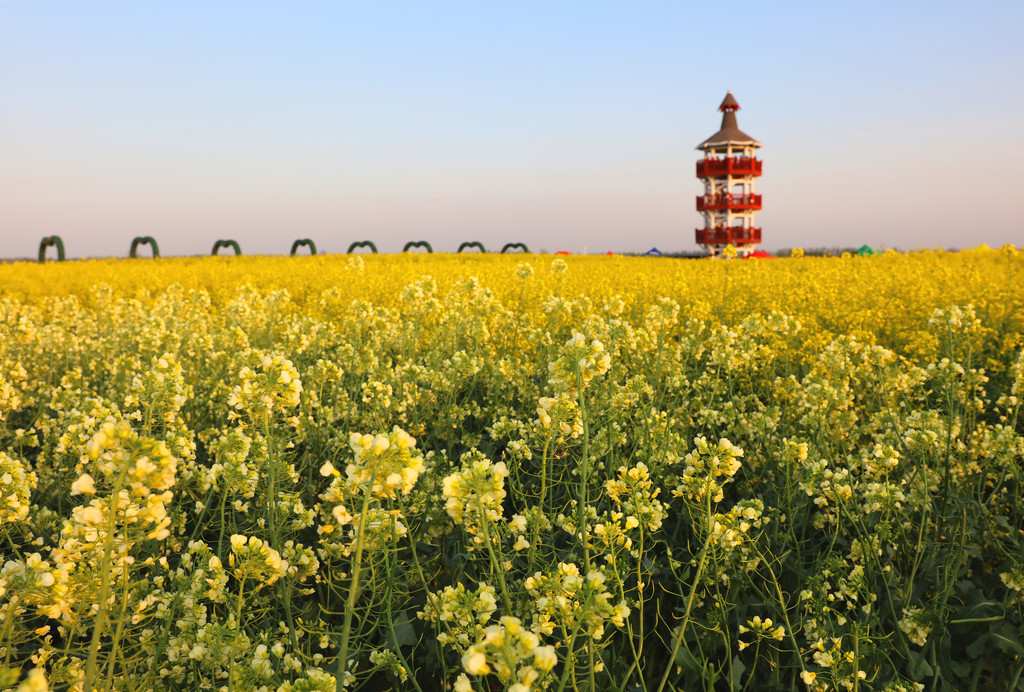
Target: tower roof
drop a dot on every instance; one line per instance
(730, 132)
(729, 103)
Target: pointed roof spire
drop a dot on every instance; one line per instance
(729, 103)
(730, 132)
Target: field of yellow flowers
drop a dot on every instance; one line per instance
(517, 472)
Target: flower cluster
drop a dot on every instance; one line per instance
(761, 629)
(273, 386)
(732, 529)
(916, 625)
(384, 464)
(253, 559)
(12, 378)
(513, 654)
(16, 485)
(836, 664)
(707, 469)
(235, 471)
(634, 493)
(143, 465)
(574, 602)
(137, 473)
(384, 467)
(561, 416)
(36, 582)
(460, 615)
(578, 363)
(474, 494)
(955, 318)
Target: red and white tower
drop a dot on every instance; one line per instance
(728, 171)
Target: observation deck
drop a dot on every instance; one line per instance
(728, 202)
(727, 236)
(731, 165)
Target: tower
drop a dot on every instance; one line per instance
(728, 171)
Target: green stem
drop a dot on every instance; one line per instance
(581, 508)
(12, 606)
(284, 585)
(496, 565)
(535, 535)
(102, 614)
(686, 614)
(353, 592)
(238, 633)
(583, 501)
(570, 659)
(753, 669)
(434, 602)
(390, 619)
(120, 625)
(785, 611)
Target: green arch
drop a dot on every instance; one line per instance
(362, 243)
(303, 241)
(417, 243)
(471, 243)
(226, 243)
(513, 246)
(48, 241)
(144, 240)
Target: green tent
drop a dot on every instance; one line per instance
(865, 250)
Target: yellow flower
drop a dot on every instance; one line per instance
(35, 681)
(83, 486)
(544, 658)
(475, 663)
(88, 515)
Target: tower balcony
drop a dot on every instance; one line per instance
(731, 165)
(728, 202)
(728, 235)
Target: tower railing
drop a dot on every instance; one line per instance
(727, 235)
(731, 165)
(727, 200)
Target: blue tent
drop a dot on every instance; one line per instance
(653, 251)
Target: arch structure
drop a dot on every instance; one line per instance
(469, 244)
(144, 240)
(417, 243)
(303, 242)
(226, 243)
(51, 241)
(514, 246)
(362, 243)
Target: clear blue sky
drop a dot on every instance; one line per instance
(558, 124)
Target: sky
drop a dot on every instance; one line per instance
(563, 125)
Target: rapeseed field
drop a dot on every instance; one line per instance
(517, 472)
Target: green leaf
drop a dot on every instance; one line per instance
(686, 660)
(1007, 643)
(960, 669)
(738, 669)
(977, 611)
(919, 667)
(977, 647)
(405, 633)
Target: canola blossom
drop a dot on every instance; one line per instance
(478, 472)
